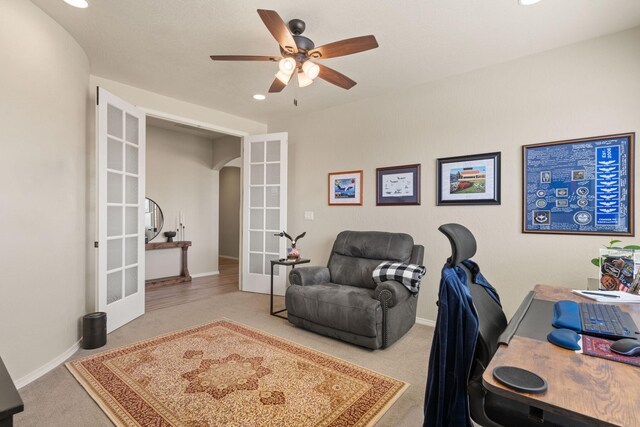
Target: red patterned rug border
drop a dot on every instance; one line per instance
(384, 390)
(117, 387)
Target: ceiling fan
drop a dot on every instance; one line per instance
(297, 51)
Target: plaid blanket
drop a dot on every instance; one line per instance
(407, 274)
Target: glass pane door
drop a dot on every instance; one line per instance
(265, 189)
(120, 208)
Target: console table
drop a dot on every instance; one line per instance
(172, 280)
(10, 401)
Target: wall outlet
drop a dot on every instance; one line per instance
(308, 215)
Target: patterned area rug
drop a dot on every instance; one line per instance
(226, 374)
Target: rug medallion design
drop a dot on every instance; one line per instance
(226, 374)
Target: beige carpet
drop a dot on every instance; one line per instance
(223, 373)
(56, 399)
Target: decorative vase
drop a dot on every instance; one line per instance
(170, 235)
(293, 254)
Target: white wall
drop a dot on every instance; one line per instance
(229, 227)
(226, 149)
(587, 89)
(224, 122)
(180, 177)
(43, 101)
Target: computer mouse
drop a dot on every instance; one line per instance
(626, 347)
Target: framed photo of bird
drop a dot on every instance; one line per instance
(345, 188)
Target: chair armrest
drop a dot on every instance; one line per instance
(305, 276)
(392, 292)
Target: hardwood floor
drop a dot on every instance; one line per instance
(197, 289)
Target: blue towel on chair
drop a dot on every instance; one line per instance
(479, 279)
(452, 350)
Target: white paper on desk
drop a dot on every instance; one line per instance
(623, 297)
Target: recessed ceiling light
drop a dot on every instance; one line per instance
(82, 4)
(527, 2)
(259, 97)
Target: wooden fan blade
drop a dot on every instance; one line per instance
(245, 58)
(336, 78)
(278, 30)
(344, 47)
(277, 85)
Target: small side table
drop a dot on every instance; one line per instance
(286, 263)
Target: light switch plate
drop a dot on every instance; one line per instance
(308, 215)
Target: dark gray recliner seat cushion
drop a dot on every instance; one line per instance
(346, 308)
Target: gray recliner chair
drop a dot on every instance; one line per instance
(342, 300)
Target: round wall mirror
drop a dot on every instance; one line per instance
(153, 219)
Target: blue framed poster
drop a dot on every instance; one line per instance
(579, 186)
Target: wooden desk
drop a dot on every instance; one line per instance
(184, 275)
(586, 388)
(10, 401)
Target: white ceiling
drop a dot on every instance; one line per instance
(164, 45)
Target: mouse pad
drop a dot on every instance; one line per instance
(536, 323)
(599, 347)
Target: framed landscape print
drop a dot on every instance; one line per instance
(469, 180)
(579, 186)
(398, 185)
(345, 188)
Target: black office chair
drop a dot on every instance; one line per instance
(486, 408)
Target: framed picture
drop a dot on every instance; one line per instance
(345, 188)
(398, 185)
(579, 186)
(469, 180)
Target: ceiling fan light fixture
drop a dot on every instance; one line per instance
(303, 79)
(296, 50)
(287, 65)
(310, 69)
(82, 4)
(259, 97)
(283, 77)
(527, 2)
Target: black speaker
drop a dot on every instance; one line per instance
(94, 330)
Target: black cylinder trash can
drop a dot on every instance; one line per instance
(94, 330)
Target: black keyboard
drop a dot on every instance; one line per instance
(606, 321)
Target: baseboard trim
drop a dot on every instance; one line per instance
(229, 257)
(30, 377)
(425, 322)
(208, 273)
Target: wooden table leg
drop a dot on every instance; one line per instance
(185, 267)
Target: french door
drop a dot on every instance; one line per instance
(264, 211)
(121, 186)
